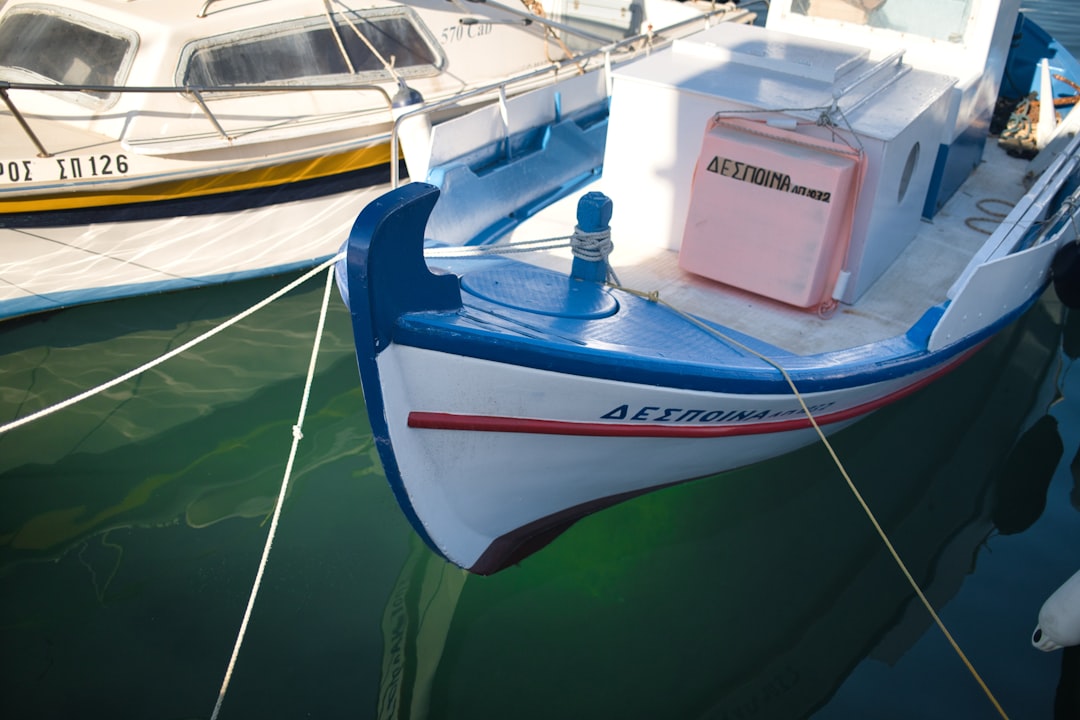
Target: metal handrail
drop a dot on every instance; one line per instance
(605, 51)
(533, 17)
(195, 91)
(204, 8)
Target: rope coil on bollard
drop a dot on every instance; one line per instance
(591, 246)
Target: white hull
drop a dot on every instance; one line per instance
(470, 488)
(48, 268)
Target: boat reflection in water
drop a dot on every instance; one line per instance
(131, 523)
(131, 526)
(749, 595)
(150, 451)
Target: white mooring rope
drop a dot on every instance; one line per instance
(297, 436)
(297, 432)
(590, 246)
(172, 353)
(508, 248)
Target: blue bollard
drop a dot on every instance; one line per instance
(593, 215)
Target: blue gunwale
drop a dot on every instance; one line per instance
(688, 359)
(407, 304)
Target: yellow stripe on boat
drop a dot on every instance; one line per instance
(264, 177)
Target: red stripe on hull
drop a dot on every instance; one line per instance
(492, 423)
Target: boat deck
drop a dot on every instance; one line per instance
(919, 278)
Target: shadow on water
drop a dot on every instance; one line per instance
(131, 526)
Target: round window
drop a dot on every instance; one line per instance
(909, 170)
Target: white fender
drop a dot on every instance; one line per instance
(1059, 618)
(414, 132)
(1047, 123)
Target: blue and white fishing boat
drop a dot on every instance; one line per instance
(783, 228)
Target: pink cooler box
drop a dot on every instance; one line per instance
(770, 211)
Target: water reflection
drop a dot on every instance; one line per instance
(161, 448)
(130, 531)
(1067, 698)
(1025, 476)
(131, 524)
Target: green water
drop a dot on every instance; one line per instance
(132, 524)
(131, 528)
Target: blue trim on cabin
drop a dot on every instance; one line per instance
(1030, 44)
(955, 163)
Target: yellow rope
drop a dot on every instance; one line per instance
(655, 297)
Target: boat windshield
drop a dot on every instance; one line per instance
(360, 47)
(40, 45)
(945, 20)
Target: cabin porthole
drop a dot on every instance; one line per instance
(909, 170)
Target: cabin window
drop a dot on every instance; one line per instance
(310, 51)
(908, 172)
(611, 19)
(41, 44)
(945, 20)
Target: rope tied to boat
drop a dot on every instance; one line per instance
(179, 350)
(591, 246)
(826, 118)
(511, 248)
(297, 435)
(654, 296)
(594, 247)
(537, 9)
(297, 432)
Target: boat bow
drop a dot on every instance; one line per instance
(513, 394)
(385, 262)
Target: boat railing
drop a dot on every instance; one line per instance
(528, 16)
(197, 93)
(205, 7)
(1014, 233)
(577, 63)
